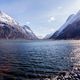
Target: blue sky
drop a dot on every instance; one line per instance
(43, 16)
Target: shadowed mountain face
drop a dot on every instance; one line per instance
(10, 29)
(70, 30)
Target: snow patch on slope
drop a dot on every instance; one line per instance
(7, 19)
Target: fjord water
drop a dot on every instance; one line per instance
(27, 59)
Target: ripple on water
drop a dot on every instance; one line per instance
(41, 58)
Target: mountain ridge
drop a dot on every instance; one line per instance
(70, 29)
(11, 29)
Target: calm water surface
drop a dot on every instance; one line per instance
(37, 58)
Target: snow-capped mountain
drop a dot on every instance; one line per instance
(7, 19)
(69, 30)
(10, 29)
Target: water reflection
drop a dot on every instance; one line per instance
(75, 55)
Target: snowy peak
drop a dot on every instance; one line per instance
(7, 19)
(10, 29)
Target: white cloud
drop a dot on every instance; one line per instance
(28, 22)
(51, 19)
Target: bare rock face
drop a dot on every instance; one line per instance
(10, 29)
(70, 30)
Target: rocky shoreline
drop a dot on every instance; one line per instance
(62, 75)
(73, 74)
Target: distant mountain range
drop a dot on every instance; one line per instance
(70, 29)
(48, 36)
(10, 29)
